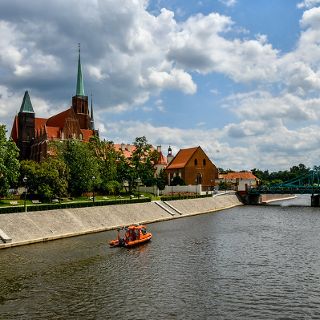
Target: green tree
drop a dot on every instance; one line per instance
(9, 163)
(48, 179)
(143, 160)
(177, 181)
(162, 180)
(83, 167)
(107, 158)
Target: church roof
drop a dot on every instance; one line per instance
(39, 123)
(26, 106)
(182, 158)
(58, 119)
(14, 130)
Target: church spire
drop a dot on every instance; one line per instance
(80, 86)
(26, 106)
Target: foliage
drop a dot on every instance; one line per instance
(161, 180)
(113, 187)
(107, 158)
(82, 165)
(143, 159)
(49, 178)
(280, 176)
(177, 181)
(9, 163)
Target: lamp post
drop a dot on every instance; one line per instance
(138, 182)
(25, 179)
(93, 182)
(171, 182)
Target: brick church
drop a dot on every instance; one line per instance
(32, 134)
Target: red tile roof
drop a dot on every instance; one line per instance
(247, 175)
(14, 130)
(126, 149)
(39, 123)
(162, 159)
(182, 158)
(58, 120)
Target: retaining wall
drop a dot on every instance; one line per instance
(31, 227)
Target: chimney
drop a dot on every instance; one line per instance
(122, 146)
(159, 149)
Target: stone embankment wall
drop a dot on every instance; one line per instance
(31, 227)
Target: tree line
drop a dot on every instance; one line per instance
(268, 178)
(74, 168)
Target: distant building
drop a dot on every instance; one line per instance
(193, 166)
(240, 181)
(128, 149)
(32, 134)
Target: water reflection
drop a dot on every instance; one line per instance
(247, 262)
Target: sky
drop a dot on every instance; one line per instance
(240, 78)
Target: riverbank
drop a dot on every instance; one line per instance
(26, 228)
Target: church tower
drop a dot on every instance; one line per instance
(80, 100)
(26, 127)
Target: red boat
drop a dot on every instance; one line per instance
(134, 235)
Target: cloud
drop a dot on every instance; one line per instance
(130, 56)
(228, 3)
(308, 4)
(200, 46)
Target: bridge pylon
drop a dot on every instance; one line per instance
(315, 200)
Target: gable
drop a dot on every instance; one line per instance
(182, 158)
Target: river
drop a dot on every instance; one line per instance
(249, 262)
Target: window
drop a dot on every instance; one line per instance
(204, 162)
(195, 162)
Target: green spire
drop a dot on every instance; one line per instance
(26, 106)
(80, 86)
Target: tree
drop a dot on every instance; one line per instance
(143, 160)
(177, 181)
(107, 158)
(48, 179)
(83, 167)
(9, 163)
(162, 180)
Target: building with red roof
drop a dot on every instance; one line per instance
(32, 135)
(193, 166)
(239, 181)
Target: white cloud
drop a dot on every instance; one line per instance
(228, 3)
(308, 4)
(138, 55)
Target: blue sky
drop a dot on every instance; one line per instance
(241, 78)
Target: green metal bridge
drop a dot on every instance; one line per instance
(305, 184)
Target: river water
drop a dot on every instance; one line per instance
(249, 262)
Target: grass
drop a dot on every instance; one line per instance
(20, 202)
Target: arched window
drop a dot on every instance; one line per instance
(195, 162)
